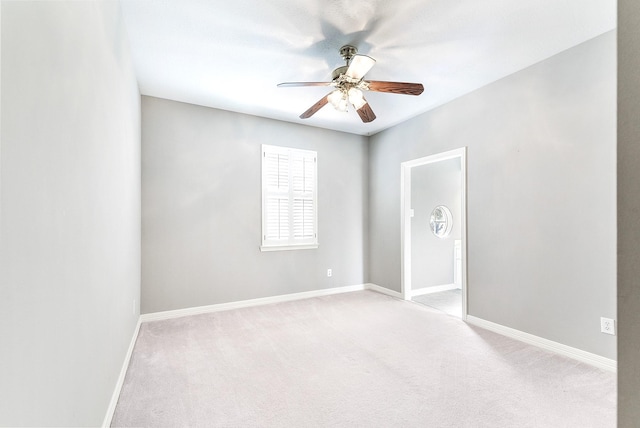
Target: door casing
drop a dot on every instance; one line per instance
(405, 215)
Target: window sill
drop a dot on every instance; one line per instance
(264, 248)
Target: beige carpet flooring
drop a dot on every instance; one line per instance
(449, 301)
(358, 359)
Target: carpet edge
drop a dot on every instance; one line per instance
(120, 382)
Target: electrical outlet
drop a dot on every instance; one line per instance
(608, 326)
(329, 272)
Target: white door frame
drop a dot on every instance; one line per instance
(405, 210)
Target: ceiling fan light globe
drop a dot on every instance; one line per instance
(335, 97)
(342, 105)
(358, 105)
(356, 98)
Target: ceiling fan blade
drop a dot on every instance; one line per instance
(359, 66)
(314, 108)
(366, 114)
(396, 87)
(296, 84)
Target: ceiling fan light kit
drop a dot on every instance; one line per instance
(349, 84)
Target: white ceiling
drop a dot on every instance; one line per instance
(230, 54)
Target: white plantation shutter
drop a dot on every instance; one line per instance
(303, 219)
(277, 219)
(289, 198)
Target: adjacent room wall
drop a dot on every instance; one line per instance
(434, 184)
(70, 192)
(541, 195)
(201, 208)
(628, 213)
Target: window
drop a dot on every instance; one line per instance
(289, 199)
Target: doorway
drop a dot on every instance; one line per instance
(433, 212)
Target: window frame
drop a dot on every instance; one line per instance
(290, 243)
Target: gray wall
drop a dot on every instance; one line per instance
(541, 195)
(432, 257)
(201, 208)
(70, 205)
(628, 213)
(70, 193)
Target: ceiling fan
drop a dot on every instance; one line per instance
(349, 84)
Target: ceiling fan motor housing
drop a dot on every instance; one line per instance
(338, 71)
(347, 52)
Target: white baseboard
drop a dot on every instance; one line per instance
(383, 290)
(433, 289)
(123, 371)
(177, 313)
(549, 345)
(164, 315)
